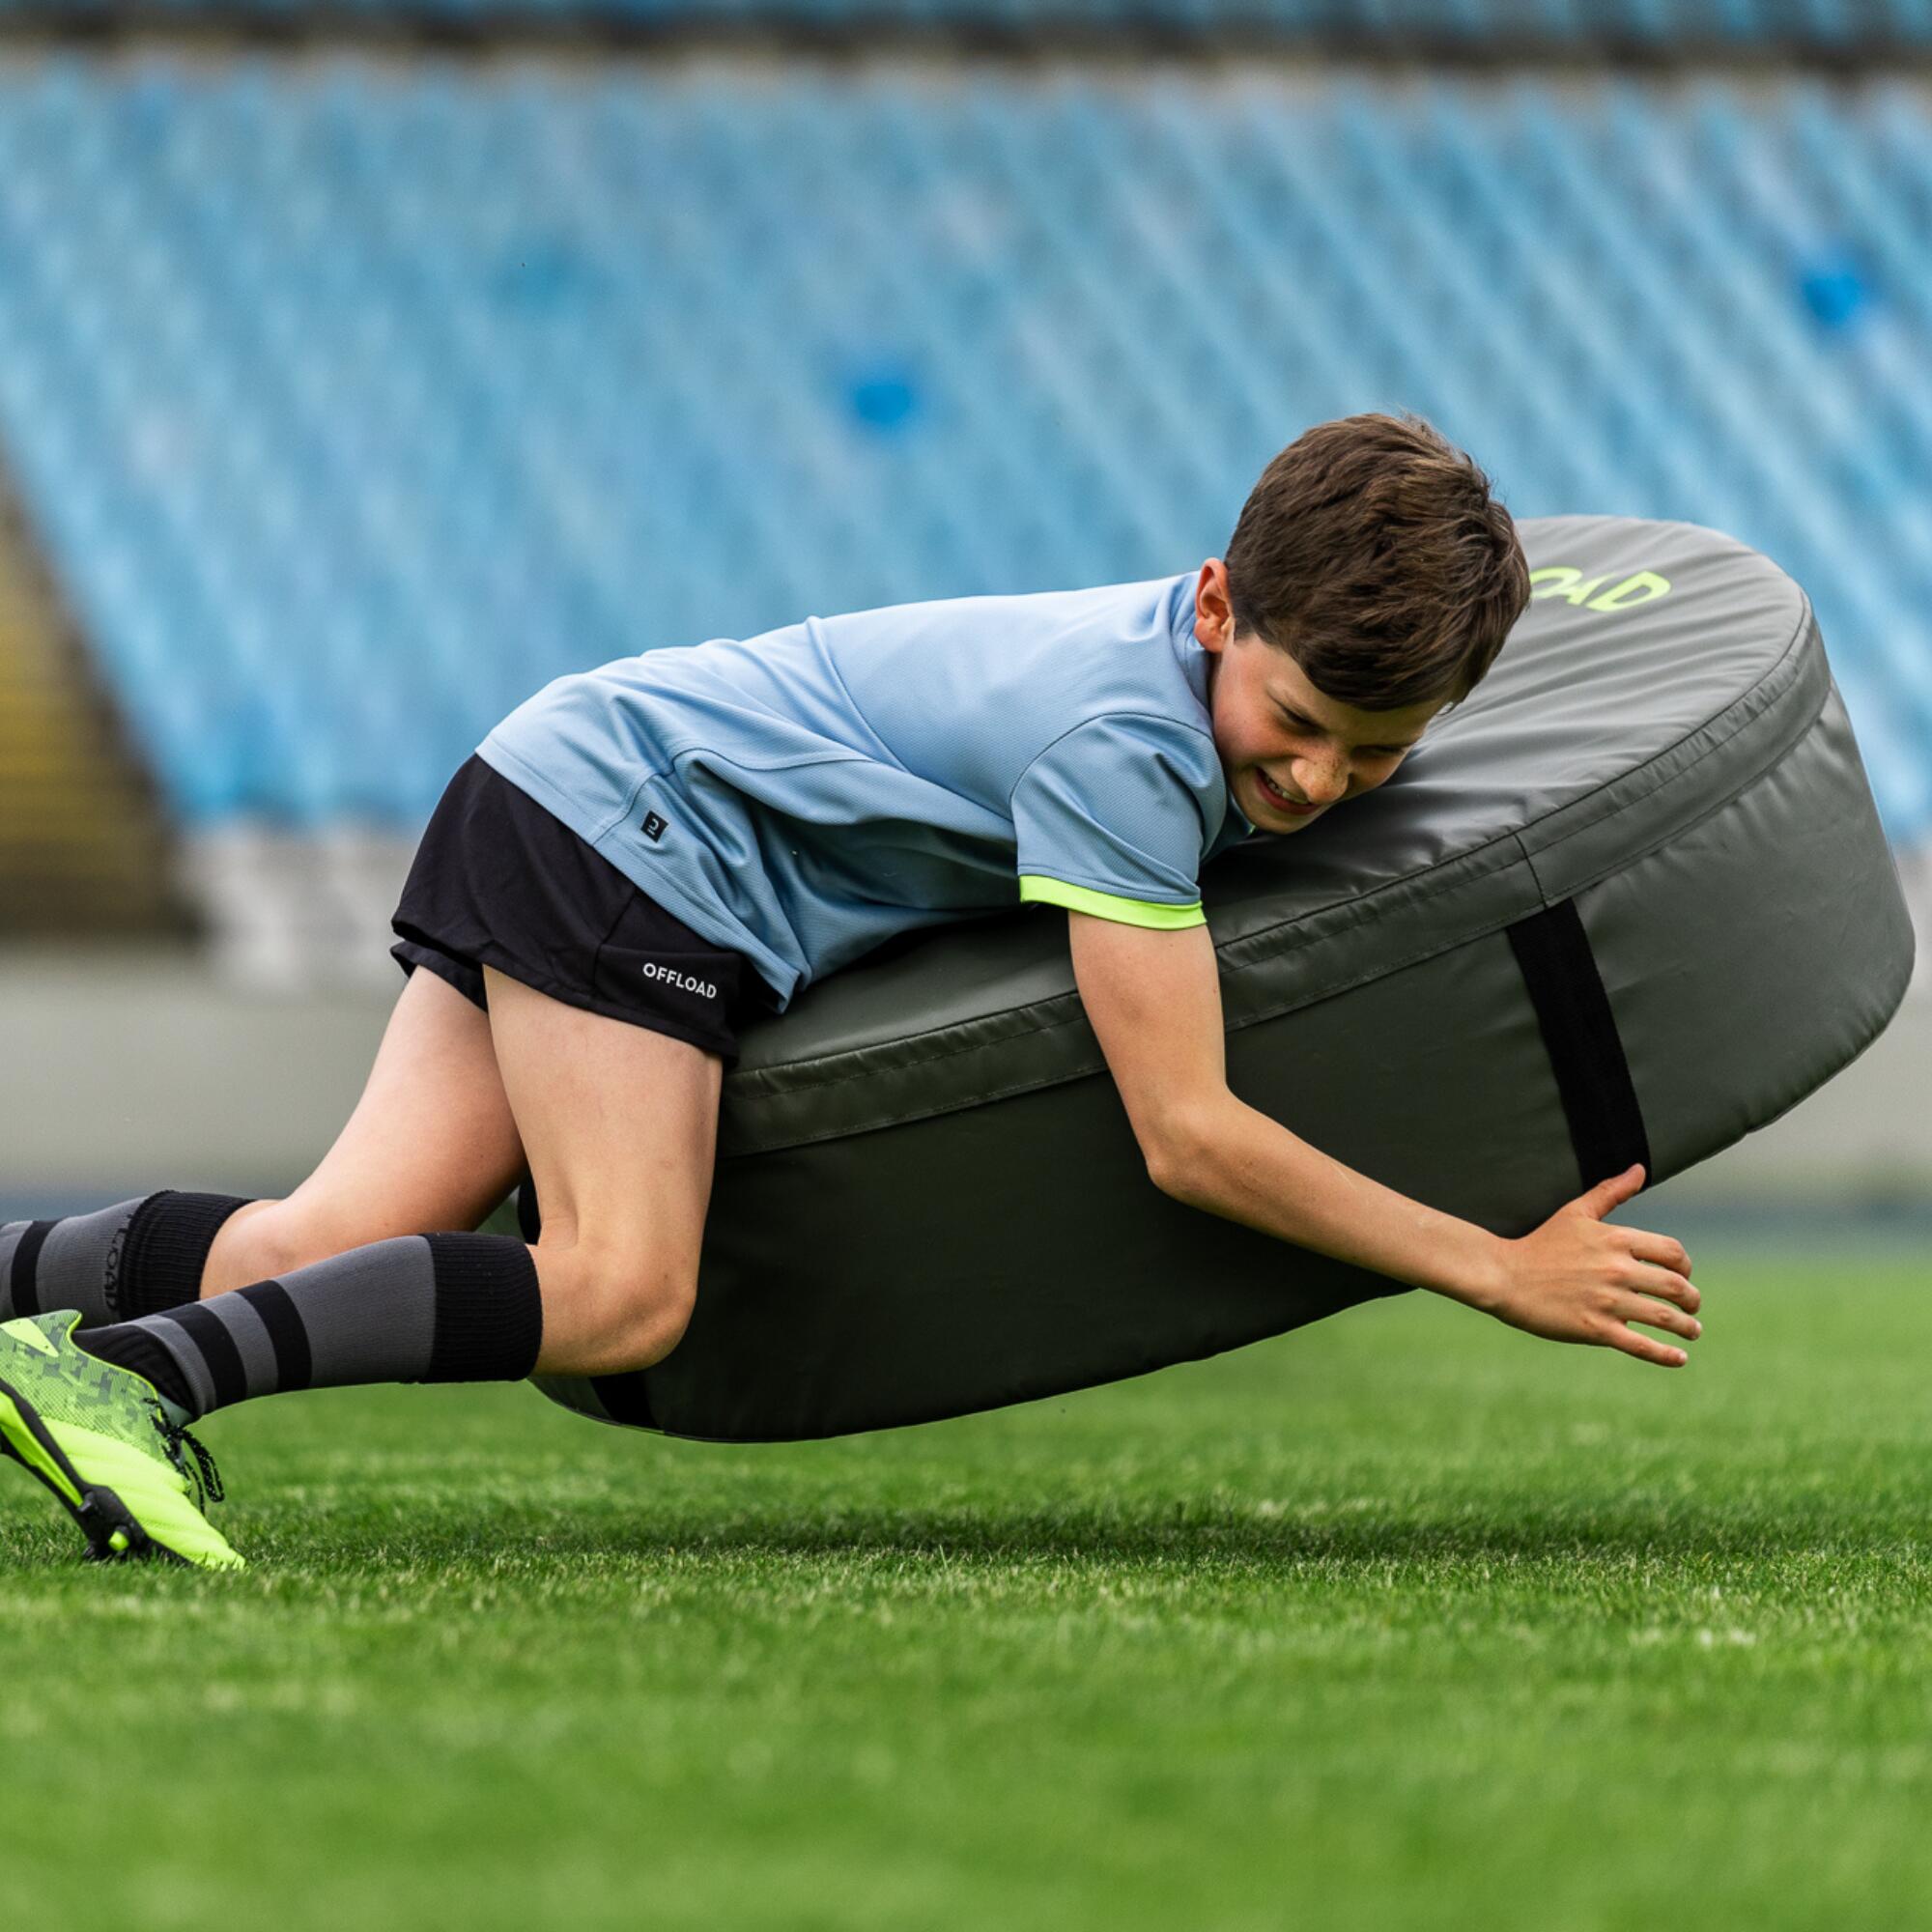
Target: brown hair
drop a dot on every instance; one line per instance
(1373, 554)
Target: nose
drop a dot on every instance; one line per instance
(1321, 785)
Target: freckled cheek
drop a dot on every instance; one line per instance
(1268, 745)
(1255, 748)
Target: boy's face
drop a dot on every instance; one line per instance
(1271, 725)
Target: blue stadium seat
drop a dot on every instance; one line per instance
(355, 402)
(1828, 25)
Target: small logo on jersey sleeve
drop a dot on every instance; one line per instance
(655, 826)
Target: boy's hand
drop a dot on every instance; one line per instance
(1578, 1278)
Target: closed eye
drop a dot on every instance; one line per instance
(1373, 750)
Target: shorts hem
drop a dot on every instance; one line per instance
(492, 953)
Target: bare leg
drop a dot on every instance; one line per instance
(620, 1127)
(431, 1148)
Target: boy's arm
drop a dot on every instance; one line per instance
(1154, 998)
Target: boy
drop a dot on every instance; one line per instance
(640, 854)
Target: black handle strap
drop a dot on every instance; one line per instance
(1579, 1032)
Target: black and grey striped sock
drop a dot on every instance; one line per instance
(417, 1308)
(116, 1264)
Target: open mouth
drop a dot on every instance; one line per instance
(1278, 798)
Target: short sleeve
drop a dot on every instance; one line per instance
(1112, 819)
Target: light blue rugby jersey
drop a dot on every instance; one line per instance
(805, 794)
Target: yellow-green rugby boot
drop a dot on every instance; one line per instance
(102, 1439)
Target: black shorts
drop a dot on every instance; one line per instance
(499, 880)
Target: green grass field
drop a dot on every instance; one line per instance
(1407, 1621)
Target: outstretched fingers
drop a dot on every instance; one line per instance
(1645, 1348)
(1648, 1278)
(1663, 1251)
(1660, 1315)
(1653, 1315)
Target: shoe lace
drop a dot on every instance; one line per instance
(201, 1473)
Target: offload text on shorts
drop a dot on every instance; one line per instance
(672, 977)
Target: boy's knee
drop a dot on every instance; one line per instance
(271, 1239)
(255, 1244)
(628, 1309)
(654, 1327)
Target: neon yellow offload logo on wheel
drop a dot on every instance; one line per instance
(1567, 581)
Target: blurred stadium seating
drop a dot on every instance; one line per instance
(1661, 25)
(354, 400)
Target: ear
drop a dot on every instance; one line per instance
(1213, 614)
